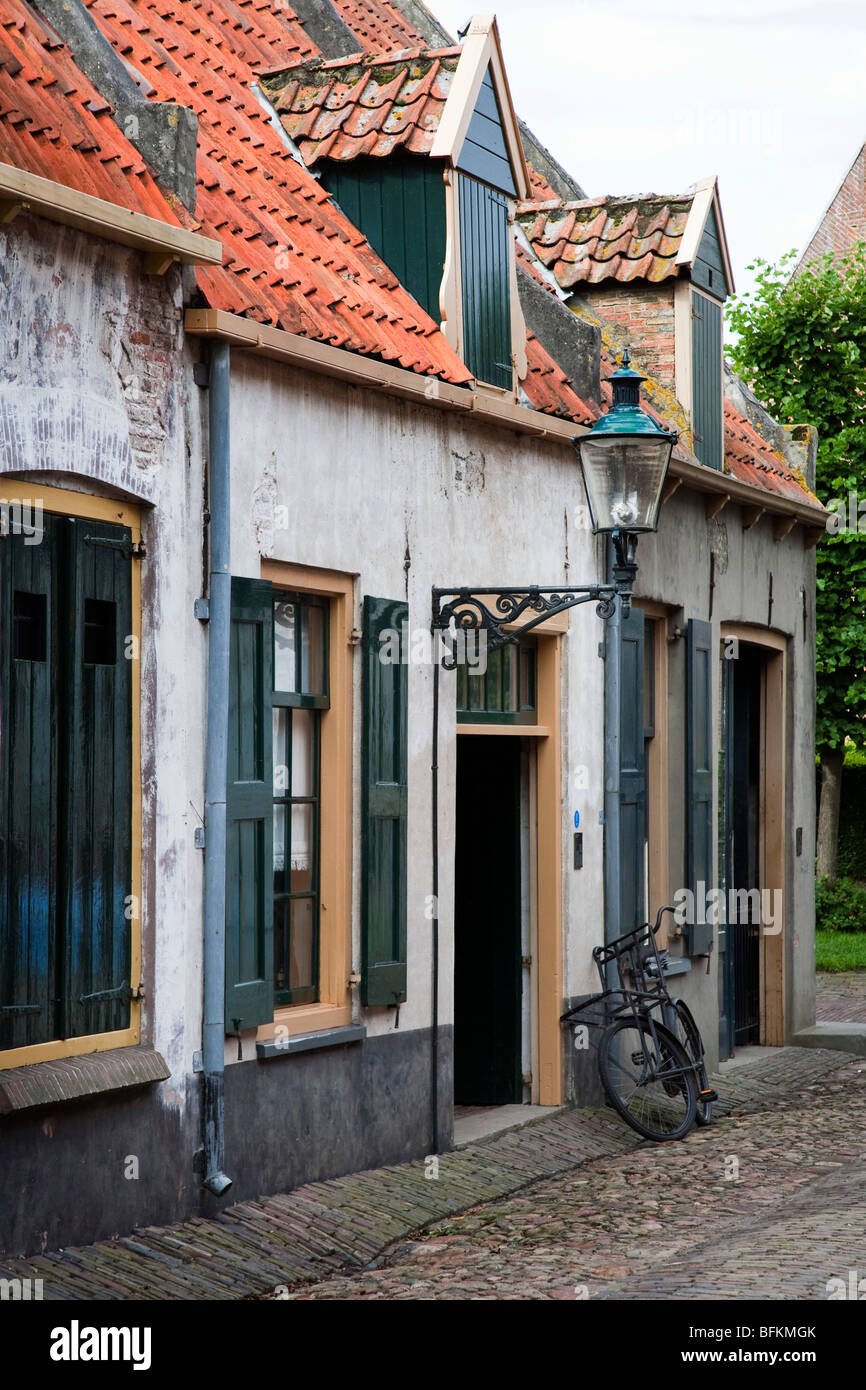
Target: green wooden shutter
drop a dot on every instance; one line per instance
(632, 772)
(399, 205)
(707, 380)
(699, 778)
(249, 810)
(484, 261)
(96, 777)
(28, 783)
(383, 810)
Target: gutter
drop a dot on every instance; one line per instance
(162, 243)
(216, 770)
(313, 356)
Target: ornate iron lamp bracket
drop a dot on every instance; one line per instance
(489, 610)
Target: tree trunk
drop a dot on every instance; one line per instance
(828, 817)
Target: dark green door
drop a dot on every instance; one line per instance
(487, 957)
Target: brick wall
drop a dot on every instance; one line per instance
(643, 316)
(844, 222)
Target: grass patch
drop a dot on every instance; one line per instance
(836, 950)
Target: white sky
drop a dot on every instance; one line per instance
(637, 96)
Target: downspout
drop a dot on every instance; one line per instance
(216, 770)
(434, 1037)
(612, 698)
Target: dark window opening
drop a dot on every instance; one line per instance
(100, 648)
(29, 626)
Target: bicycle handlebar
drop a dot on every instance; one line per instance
(658, 923)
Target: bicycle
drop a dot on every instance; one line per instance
(652, 1071)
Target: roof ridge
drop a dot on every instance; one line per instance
(362, 59)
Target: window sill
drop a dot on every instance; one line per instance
(74, 1078)
(274, 1048)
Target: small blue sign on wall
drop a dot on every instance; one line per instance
(576, 819)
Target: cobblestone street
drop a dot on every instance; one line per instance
(765, 1205)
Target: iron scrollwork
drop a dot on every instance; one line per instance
(490, 610)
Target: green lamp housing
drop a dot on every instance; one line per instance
(625, 458)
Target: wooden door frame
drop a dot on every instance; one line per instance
(771, 850)
(545, 888)
(658, 773)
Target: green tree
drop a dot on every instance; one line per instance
(801, 346)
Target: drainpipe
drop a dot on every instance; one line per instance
(612, 698)
(216, 771)
(434, 1010)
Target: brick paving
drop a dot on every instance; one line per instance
(765, 1204)
(841, 998)
(562, 1203)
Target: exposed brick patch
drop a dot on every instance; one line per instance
(643, 316)
(844, 222)
(71, 1078)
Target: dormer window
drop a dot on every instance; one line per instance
(422, 152)
(656, 270)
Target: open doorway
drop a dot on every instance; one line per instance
(487, 923)
(751, 851)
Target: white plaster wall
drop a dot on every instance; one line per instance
(406, 497)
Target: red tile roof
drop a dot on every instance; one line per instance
(364, 105)
(547, 388)
(55, 124)
(378, 26)
(292, 259)
(749, 457)
(607, 238)
(543, 191)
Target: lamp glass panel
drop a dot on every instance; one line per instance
(624, 476)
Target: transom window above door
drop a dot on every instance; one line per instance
(504, 692)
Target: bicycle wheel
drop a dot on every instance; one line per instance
(687, 1033)
(647, 1075)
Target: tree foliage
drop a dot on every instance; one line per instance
(801, 346)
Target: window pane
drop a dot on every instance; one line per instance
(303, 783)
(280, 885)
(99, 630)
(312, 650)
(527, 679)
(281, 944)
(285, 615)
(302, 849)
(281, 749)
(301, 943)
(29, 626)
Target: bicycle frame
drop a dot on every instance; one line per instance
(635, 955)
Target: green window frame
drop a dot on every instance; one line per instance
(300, 694)
(506, 693)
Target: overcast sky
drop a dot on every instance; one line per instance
(631, 97)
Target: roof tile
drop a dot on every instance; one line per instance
(291, 257)
(600, 239)
(378, 26)
(53, 123)
(364, 105)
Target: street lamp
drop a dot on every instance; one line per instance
(625, 458)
